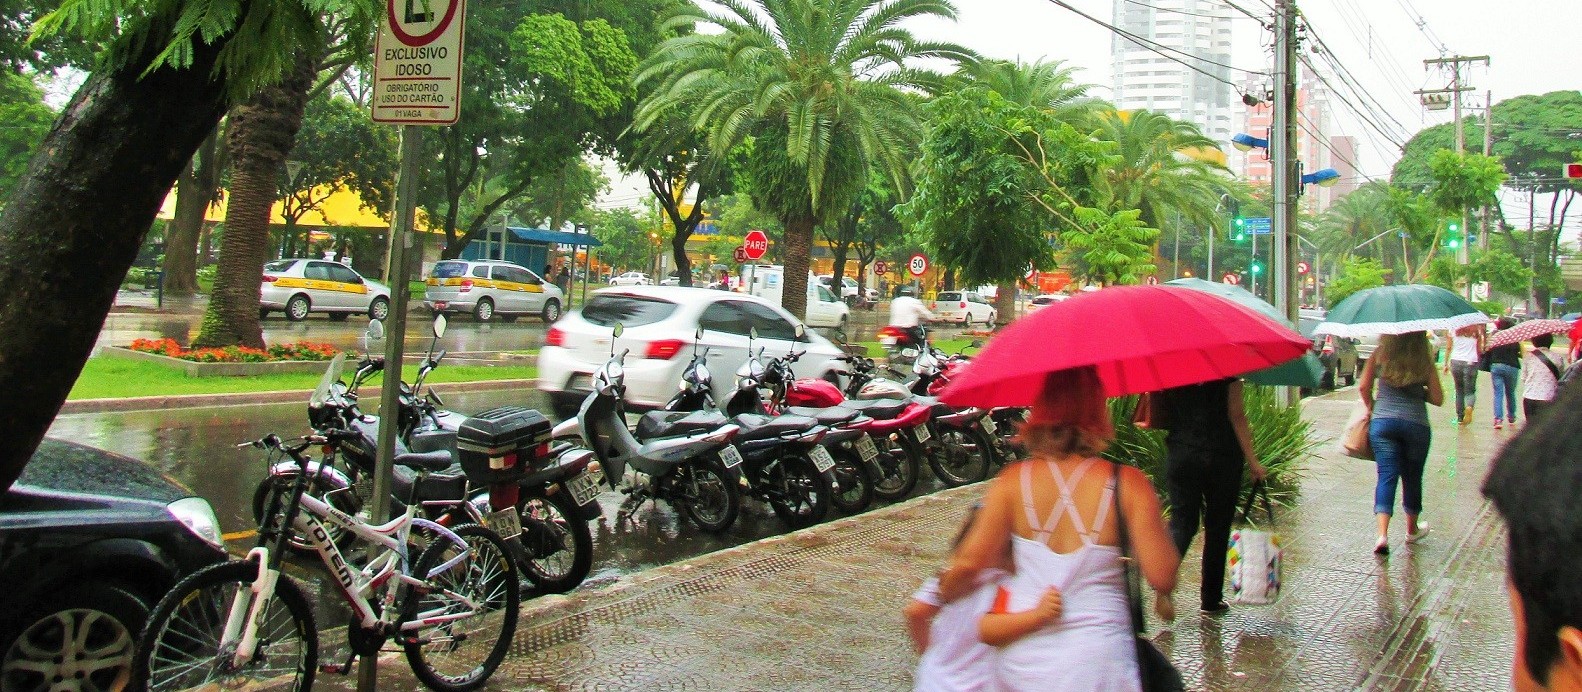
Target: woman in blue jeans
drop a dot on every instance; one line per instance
(1505, 366)
(1403, 369)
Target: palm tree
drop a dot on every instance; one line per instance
(1160, 170)
(826, 90)
(1048, 86)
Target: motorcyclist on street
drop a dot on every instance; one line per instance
(908, 314)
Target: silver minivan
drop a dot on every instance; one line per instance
(487, 288)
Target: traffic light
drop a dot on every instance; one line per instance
(1256, 268)
(1239, 232)
(1453, 235)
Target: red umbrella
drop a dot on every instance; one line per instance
(1526, 331)
(1141, 339)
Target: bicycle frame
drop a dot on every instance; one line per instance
(357, 585)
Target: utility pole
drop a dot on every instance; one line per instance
(1282, 155)
(1434, 100)
(1488, 147)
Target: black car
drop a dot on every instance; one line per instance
(89, 542)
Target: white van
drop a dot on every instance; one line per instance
(767, 281)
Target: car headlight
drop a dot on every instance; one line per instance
(196, 514)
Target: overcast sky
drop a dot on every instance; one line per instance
(1532, 45)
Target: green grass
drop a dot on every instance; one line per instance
(876, 350)
(104, 378)
(416, 290)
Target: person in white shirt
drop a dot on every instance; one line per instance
(1541, 370)
(909, 313)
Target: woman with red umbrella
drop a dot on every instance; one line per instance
(1063, 511)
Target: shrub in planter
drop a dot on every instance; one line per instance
(237, 354)
(1282, 438)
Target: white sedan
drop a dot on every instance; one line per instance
(631, 279)
(658, 325)
(301, 286)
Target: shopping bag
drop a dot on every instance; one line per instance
(1354, 441)
(1254, 558)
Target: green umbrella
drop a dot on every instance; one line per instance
(1306, 371)
(1400, 309)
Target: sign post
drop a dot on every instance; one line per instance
(417, 81)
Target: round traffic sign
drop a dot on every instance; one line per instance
(1232, 279)
(881, 267)
(755, 244)
(739, 254)
(918, 264)
(1303, 268)
(417, 23)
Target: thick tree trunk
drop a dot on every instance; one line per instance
(678, 249)
(796, 256)
(838, 269)
(260, 135)
(1005, 304)
(194, 190)
(74, 222)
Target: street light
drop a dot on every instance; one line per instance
(1327, 177)
(1245, 142)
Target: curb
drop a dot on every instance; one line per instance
(147, 403)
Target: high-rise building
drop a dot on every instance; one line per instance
(1146, 80)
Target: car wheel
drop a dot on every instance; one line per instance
(551, 311)
(966, 321)
(84, 634)
(298, 307)
(485, 310)
(339, 316)
(379, 309)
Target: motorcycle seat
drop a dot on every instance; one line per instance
(759, 427)
(656, 424)
(437, 460)
(834, 415)
(935, 406)
(881, 409)
(446, 484)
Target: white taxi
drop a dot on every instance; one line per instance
(487, 288)
(300, 286)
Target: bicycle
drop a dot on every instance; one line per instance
(453, 609)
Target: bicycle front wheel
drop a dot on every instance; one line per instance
(473, 607)
(182, 648)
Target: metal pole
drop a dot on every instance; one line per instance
(1175, 263)
(1282, 150)
(1488, 145)
(395, 343)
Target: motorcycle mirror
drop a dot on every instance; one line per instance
(439, 325)
(698, 335)
(975, 343)
(752, 333)
(617, 330)
(376, 330)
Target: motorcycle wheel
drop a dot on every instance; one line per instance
(961, 455)
(901, 460)
(282, 483)
(559, 547)
(703, 492)
(856, 482)
(798, 493)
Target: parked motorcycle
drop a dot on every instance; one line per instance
(538, 496)
(691, 466)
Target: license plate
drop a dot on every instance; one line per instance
(923, 435)
(732, 457)
(866, 449)
(440, 305)
(822, 460)
(583, 488)
(988, 425)
(505, 522)
(887, 340)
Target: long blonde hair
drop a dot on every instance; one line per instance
(1403, 359)
(1071, 416)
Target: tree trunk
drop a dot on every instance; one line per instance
(838, 268)
(205, 245)
(74, 222)
(678, 248)
(194, 190)
(795, 257)
(1005, 304)
(261, 134)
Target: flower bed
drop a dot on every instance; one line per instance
(300, 351)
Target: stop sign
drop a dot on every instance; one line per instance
(756, 244)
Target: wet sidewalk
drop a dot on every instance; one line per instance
(820, 609)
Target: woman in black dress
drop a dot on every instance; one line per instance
(1208, 446)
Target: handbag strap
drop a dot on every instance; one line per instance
(1553, 369)
(1262, 491)
(1133, 590)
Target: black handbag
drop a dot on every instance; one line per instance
(1155, 670)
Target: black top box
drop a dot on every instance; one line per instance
(495, 433)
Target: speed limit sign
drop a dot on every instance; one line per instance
(917, 265)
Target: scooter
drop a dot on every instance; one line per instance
(693, 468)
(785, 464)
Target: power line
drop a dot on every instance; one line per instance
(1344, 73)
(1155, 47)
(1400, 144)
(1400, 83)
(1352, 83)
(1239, 8)
(1422, 26)
(1324, 142)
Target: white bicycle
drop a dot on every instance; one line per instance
(453, 609)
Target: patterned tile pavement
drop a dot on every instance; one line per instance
(819, 609)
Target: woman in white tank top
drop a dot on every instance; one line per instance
(1056, 512)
